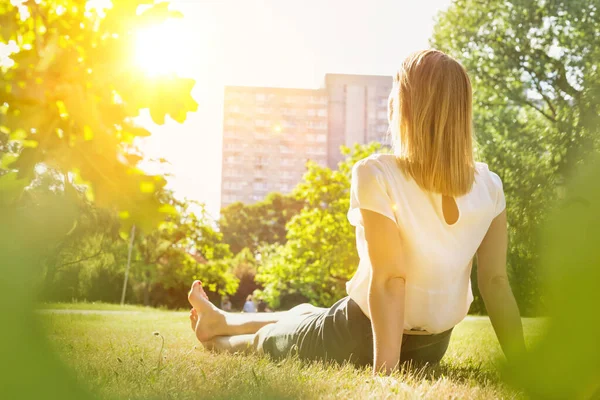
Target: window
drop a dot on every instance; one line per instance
(312, 112)
(321, 138)
(260, 97)
(232, 95)
(229, 185)
(322, 112)
(317, 124)
(285, 188)
(259, 186)
(259, 164)
(382, 114)
(285, 150)
(316, 151)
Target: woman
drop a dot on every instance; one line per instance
(249, 306)
(421, 216)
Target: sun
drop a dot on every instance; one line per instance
(163, 49)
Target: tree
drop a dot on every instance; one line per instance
(70, 97)
(319, 255)
(251, 225)
(89, 262)
(533, 66)
(183, 248)
(540, 56)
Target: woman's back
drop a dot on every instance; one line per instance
(437, 256)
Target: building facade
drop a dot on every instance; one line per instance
(357, 111)
(270, 133)
(268, 136)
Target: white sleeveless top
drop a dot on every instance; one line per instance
(437, 256)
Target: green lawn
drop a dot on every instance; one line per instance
(97, 307)
(117, 355)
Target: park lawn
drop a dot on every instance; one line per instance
(96, 306)
(119, 356)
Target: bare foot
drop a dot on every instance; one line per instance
(193, 318)
(209, 320)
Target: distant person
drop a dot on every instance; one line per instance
(262, 306)
(249, 306)
(225, 304)
(421, 215)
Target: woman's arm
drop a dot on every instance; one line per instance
(495, 289)
(386, 289)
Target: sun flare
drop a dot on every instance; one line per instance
(162, 49)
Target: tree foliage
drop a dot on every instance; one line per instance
(88, 263)
(184, 248)
(252, 225)
(319, 255)
(534, 70)
(70, 96)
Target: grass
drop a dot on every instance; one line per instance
(96, 306)
(118, 356)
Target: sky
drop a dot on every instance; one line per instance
(282, 43)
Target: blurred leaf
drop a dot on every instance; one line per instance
(167, 209)
(70, 99)
(11, 188)
(147, 187)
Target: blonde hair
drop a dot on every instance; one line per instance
(430, 115)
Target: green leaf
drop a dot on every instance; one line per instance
(11, 188)
(87, 133)
(167, 209)
(147, 187)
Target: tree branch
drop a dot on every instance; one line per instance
(82, 259)
(155, 261)
(519, 99)
(538, 109)
(536, 81)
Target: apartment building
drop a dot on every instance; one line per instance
(268, 136)
(270, 133)
(357, 111)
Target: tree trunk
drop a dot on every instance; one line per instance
(147, 289)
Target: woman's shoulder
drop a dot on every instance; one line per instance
(379, 162)
(483, 170)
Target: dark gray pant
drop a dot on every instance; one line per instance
(343, 333)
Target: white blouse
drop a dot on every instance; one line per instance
(438, 257)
